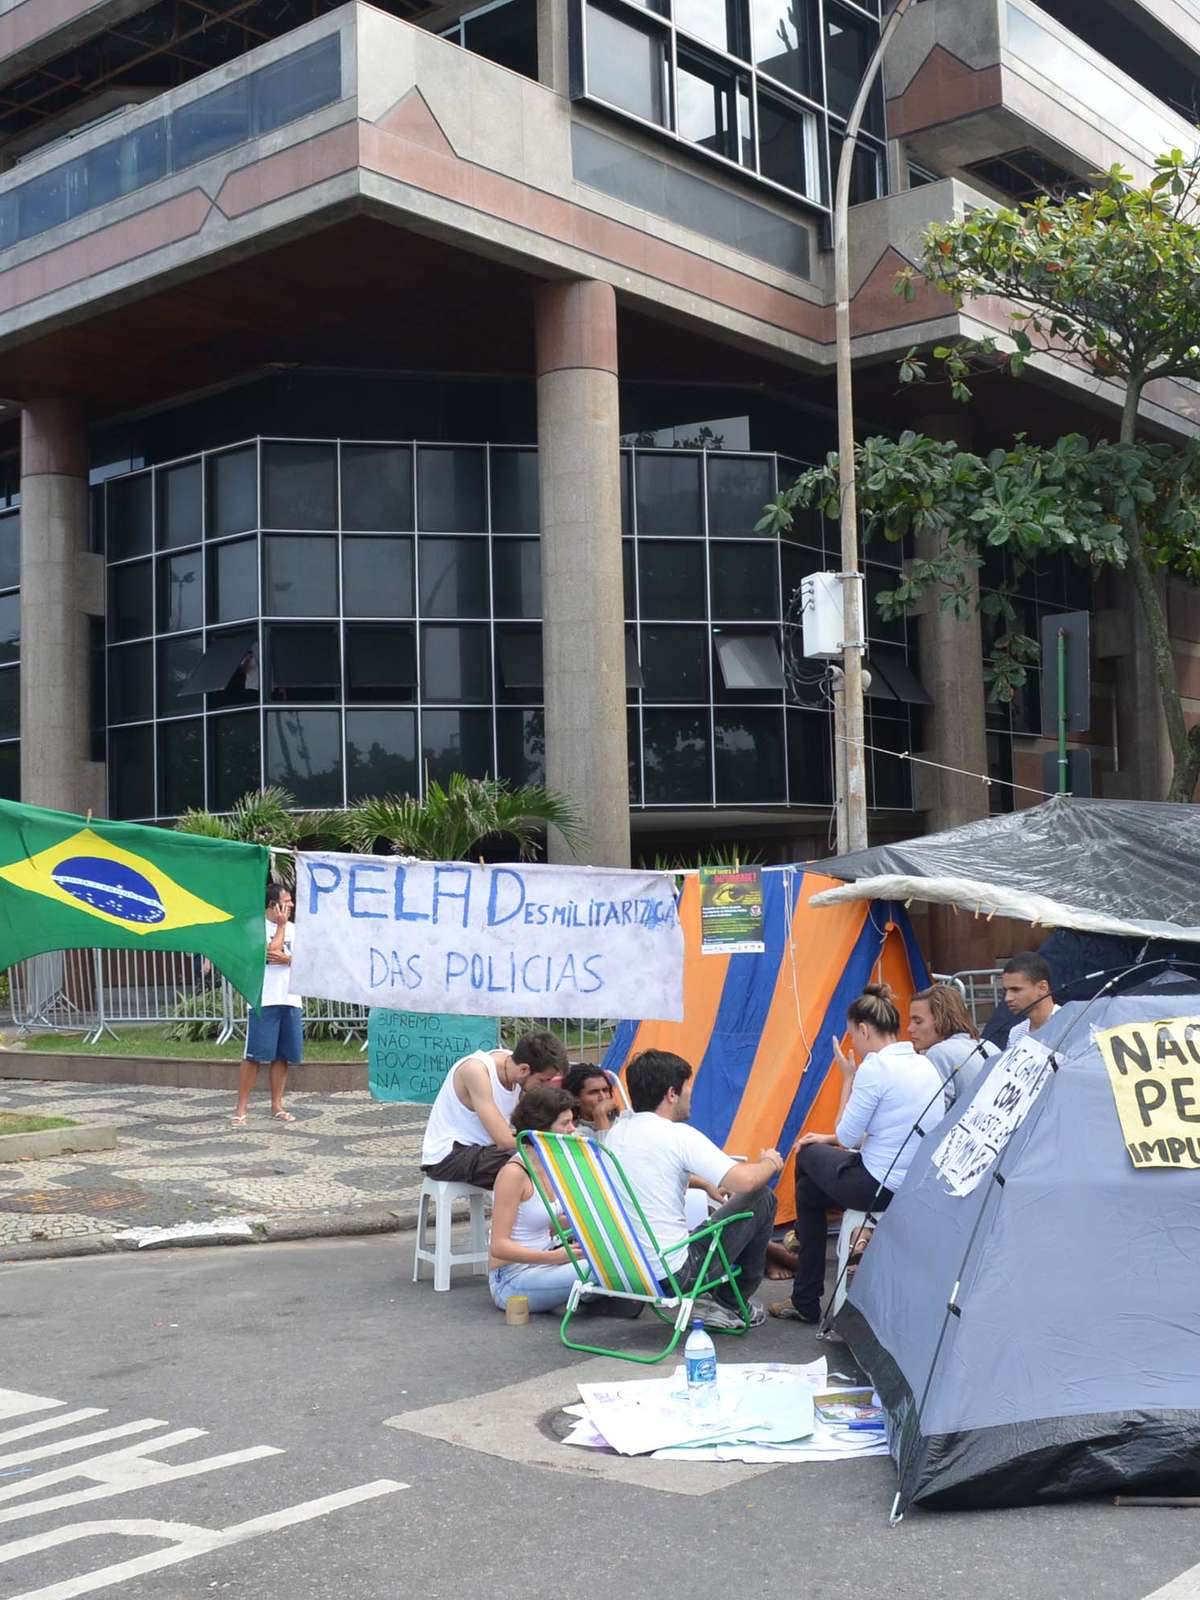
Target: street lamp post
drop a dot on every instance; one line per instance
(852, 768)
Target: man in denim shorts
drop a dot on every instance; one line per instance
(275, 1029)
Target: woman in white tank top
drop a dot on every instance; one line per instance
(524, 1259)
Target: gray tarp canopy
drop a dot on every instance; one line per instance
(1122, 867)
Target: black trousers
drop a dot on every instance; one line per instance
(827, 1178)
(478, 1164)
(745, 1244)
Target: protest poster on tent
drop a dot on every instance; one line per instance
(731, 911)
(1000, 1105)
(409, 1053)
(1154, 1072)
(477, 940)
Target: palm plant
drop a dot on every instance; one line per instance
(266, 816)
(451, 823)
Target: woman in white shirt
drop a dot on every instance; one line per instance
(940, 1027)
(859, 1166)
(524, 1259)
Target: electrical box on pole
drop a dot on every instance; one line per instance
(821, 611)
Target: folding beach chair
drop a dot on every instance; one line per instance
(585, 1182)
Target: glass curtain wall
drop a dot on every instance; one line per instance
(344, 618)
(764, 85)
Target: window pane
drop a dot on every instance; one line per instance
(889, 776)
(10, 628)
(745, 582)
(668, 494)
(233, 581)
(381, 661)
(299, 576)
(708, 20)
(671, 579)
(299, 486)
(521, 746)
(179, 519)
(675, 663)
(785, 42)
(454, 577)
(749, 757)
(626, 66)
(514, 491)
(131, 771)
(455, 664)
(177, 660)
(456, 741)
(628, 581)
(233, 758)
(233, 492)
(450, 491)
(130, 601)
(377, 488)
(377, 577)
(211, 124)
(180, 593)
(506, 34)
(866, 178)
(749, 664)
(881, 580)
(10, 550)
(738, 490)
(705, 106)
(810, 758)
(304, 663)
(519, 674)
(675, 754)
(130, 515)
(118, 167)
(130, 683)
(10, 771)
(296, 85)
(517, 577)
(787, 146)
(304, 755)
(633, 743)
(381, 753)
(849, 43)
(244, 687)
(180, 766)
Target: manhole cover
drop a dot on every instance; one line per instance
(49, 1202)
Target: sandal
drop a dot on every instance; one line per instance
(787, 1312)
(283, 1116)
(239, 1122)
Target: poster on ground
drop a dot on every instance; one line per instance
(409, 1053)
(731, 911)
(1154, 1073)
(477, 940)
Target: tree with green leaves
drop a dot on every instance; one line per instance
(1107, 281)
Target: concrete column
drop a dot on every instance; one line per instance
(582, 595)
(952, 671)
(553, 47)
(58, 578)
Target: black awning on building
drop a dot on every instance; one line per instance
(216, 667)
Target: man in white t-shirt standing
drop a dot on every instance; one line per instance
(658, 1153)
(468, 1138)
(275, 1027)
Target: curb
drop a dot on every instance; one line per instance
(268, 1230)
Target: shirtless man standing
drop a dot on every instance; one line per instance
(468, 1138)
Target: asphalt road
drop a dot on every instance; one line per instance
(327, 1353)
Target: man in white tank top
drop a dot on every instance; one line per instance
(468, 1138)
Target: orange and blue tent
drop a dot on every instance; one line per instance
(759, 1028)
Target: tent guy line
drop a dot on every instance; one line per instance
(941, 766)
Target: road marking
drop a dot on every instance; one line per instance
(67, 1420)
(61, 1446)
(188, 1539)
(13, 1403)
(100, 1468)
(1185, 1587)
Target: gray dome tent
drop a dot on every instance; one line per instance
(1035, 1335)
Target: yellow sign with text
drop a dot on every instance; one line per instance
(1154, 1070)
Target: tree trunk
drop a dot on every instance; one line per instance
(1185, 751)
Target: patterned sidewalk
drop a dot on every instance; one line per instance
(179, 1159)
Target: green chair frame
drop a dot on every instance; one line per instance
(588, 1184)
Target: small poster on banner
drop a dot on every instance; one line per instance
(409, 1053)
(1002, 1102)
(1154, 1072)
(731, 911)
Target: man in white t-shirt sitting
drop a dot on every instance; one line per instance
(469, 1138)
(1028, 993)
(658, 1153)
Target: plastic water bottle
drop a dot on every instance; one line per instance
(700, 1359)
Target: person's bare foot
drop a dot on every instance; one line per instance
(781, 1263)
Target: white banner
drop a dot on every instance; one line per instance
(517, 941)
(1001, 1104)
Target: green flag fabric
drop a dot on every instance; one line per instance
(69, 883)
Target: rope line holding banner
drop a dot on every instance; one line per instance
(941, 766)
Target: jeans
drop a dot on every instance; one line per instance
(745, 1244)
(547, 1288)
(826, 1178)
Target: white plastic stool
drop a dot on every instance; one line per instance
(852, 1221)
(442, 1256)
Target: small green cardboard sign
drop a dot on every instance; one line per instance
(409, 1053)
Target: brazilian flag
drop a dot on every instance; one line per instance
(68, 883)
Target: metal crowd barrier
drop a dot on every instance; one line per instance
(980, 989)
(97, 992)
